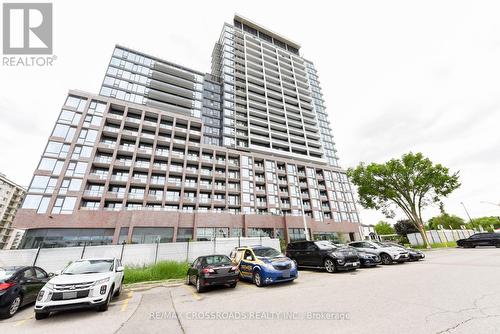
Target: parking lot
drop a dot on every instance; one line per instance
(452, 290)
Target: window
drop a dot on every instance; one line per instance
(76, 102)
(32, 201)
(56, 149)
(43, 184)
(69, 117)
(87, 136)
(64, 205)
(81, 152)
(76, 169)
(64, 131)
(51, 165)
(184, 234)
(40, 273)
(144, 235)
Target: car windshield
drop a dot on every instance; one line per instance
(325, 245)
(217, 260)
(6, 273)
(89, 267)
(266, 252)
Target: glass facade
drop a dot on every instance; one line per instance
(67, 237)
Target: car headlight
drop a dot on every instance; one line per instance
(101, 281)
(340, 260)
(40, 295)
(49, 286)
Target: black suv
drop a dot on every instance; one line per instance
(322, 254)
(480, 239)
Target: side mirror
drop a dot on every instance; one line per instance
(50, 275)
(248, 258)
(120, 268)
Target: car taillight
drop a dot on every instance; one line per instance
(6, 285)
(207, 270)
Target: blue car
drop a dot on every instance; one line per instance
(264, 265)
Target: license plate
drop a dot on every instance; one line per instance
(354, 264)
(286, 273)
(69, 295)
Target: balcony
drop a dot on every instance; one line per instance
(119, 178)
(135, 196)
(190, 185)
(126, 148)
(189, 200)
(207, 186)
(109, 146)
(133, 120)
(140, 180)
(191, 157)
(160, 167)
(94, 176)
(178, 155)
(159, 181)
(220, 188)
(144, 165)
(162, 153)
(115, 194)
(204, 200)
(285, 205)
(192, 171)
(173, 199)
(205, 172)
(146, 151)
(220, 175)
(103, 160)
(123, 163)
(93, 193)
(175, 169)
(152, 197)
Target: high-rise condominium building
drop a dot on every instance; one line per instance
(172, 154)
(11, 197)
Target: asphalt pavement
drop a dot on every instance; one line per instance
(451, 291)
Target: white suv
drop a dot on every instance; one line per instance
(388, 254)
(85, 283)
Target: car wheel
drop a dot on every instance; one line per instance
(199, 287)
(13, 307)
(41, 315)
(386, 259)
(120, 289)
(329, 265)
(257, 278)
(233, 285)
(104, 307)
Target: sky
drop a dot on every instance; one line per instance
(397, 76)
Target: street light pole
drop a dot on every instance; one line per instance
(467, 212)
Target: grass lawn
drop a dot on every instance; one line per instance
(439, 245)
(161, 271)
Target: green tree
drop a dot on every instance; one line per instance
(410, 184)
(405, 227)
(448, 221)
(383, 228)
(485, 222)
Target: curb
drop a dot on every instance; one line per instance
(143, 286)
